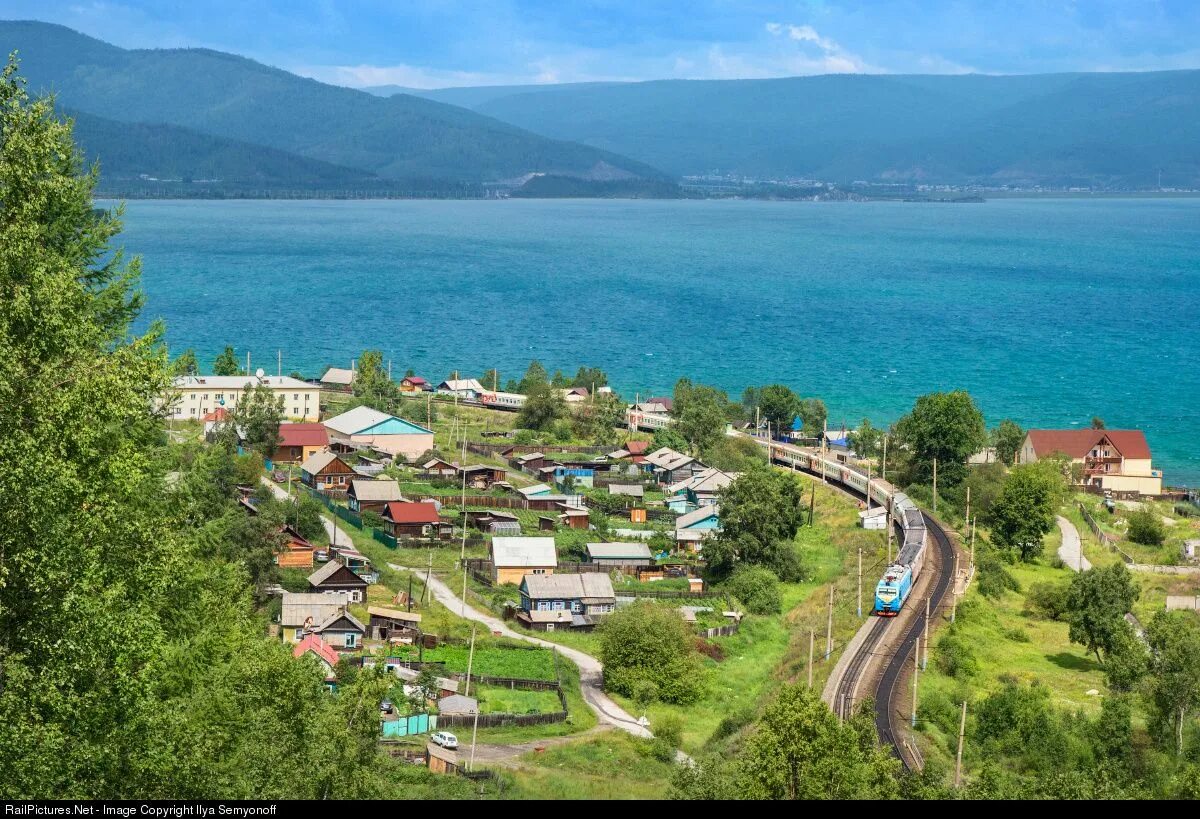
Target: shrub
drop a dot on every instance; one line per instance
(644, 643)
(994, 579)
(1048, 600)
(1146, 527)
(732, 723)
(954, 657)
(757, 588)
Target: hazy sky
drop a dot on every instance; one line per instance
(435, 43)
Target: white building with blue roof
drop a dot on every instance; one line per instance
(363, 426)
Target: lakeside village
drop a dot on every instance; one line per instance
(549, 505)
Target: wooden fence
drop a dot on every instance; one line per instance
(488, 450)
(480, 501)
(720, 631)
(1104, 537)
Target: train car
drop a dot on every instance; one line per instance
(892, 590)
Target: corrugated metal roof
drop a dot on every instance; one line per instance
(613, 551)
(337, 375)
(314, 606)
(303, 435)
(376, 490)
(240, 382)
(695, 516)
(588, 585)
(523, 552)
(318, 461)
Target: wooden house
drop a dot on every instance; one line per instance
(482, 476)
(620, 554)
(312, 645)
(407, 519)
(515, 557)
(296, 552)
(391, 624)
(336, 578)
(565, 600)
(440, 467)
(303, 612)
(574, 518)
(326, 472)
(299, 442)
(413, 384)
(369, 495)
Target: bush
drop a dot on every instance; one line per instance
(1146, 527)
(732, 723)
(646, 644)
(1048, 600)
(994, 579)
(757, 588)
(954, 657)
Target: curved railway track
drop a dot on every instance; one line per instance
(884, 635)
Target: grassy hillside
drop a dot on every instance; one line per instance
(226, 96)
(1109, 129)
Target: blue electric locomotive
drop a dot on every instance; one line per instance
(892, 590)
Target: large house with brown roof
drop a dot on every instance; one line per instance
(1115, 460)
(299, 442)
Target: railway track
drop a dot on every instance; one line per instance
(903, 645)
(895, 639)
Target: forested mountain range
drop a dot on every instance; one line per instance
(338, 137)
(1098, 129)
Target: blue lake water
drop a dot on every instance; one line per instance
(1047, 311)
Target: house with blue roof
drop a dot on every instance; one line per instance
(366, 427)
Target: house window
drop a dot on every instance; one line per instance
(351, 640)
(576, 607)
(295, 396)
(193, 410)
(559, 605)
(543, 606)
(538, 571)
(295, 410)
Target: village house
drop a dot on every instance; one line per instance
(335, 578)
(296, 552)
(342, 631)
(628, 490)
(468, 389)
(483, 476)
(538, 490)
(669, 466)
(698, 490)
(366, 427)
(194, 396)
(392, 624)
(337, 379)
(372, 495)
(440, 467)
(406, 519)
(574, 395)
(326, 472)
(457, 705)
(573, 517)
(1113, 460)
(515, 557)
(692, 528)
(313, 646)
(299, 442)
(303, 612)
(413, 384)
(620, 554)
(355, 561)
(565, 600)
(531, 462)
(214, 420)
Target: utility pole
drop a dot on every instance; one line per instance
(972, 568)
(428, 573)
(868, 489)
(962, 730)
(410, 591)
(279, 363)
(916, 672)
(860, 581)
(954, 590)
(884, 464)
(812, 638)
(925, 655)
(470, 659)
(474, 734)
(464, 596)
(829, 626)
(463, 554)
(968, 503)
(247, 362)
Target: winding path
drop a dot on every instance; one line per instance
(591, 672)
(1071, 550)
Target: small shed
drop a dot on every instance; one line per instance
(620, 554)
(388, 624)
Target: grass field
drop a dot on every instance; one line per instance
(498, 700)
(612, 765)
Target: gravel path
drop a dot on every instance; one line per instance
(1071, 550)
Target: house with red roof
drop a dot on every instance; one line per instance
(1114, 460)
(409, 519)
(314, 646)
(298, 441)
(413, 383)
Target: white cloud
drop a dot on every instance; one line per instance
(829, 56)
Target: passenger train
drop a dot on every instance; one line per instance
(898, 579)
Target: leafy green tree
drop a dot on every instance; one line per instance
(813, 416)
(866, 441)
(560, 380)
(534, 377)
(543, 406)
(1127, 661)
(1097, 422)
(186, 364)
(490, 380)
(1146, 527)
(757, 588)
(132, 661)
(1174, 638)
(597, 419)
(1024, 512)
(372, 386)
(644, 643)
(227, 363)
(670, 438)
(591, 378)
(986, 482)
(734, 454)
(700, 413)
(946, 426)
(761, 512)
(799, 750)
(779, 406)
(258, 416)
(1007, 438)
(1096, 605)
